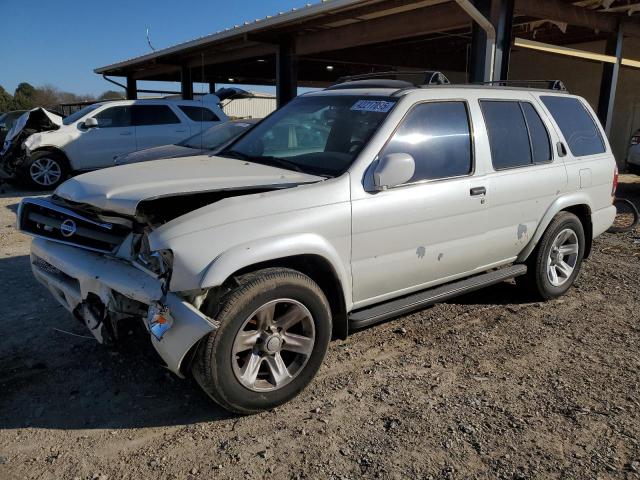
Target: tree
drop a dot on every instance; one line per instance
(23, 96)
(6, 100)
(111, 95)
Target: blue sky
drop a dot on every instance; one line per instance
(60, 42)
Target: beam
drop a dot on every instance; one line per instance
(502, 16)
(153, 71)
(132, 88)
(414, 23)
(562, 11)
(186, 83)
(286, 72)
(609, 82)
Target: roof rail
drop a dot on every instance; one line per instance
(557, 85)
(392, 79)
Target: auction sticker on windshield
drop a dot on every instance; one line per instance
(381, 106)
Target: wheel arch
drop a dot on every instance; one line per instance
(57, 151)
(579, 205)
(306, 253)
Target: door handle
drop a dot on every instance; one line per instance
(475, 191)
(124, 134)
(180, 131)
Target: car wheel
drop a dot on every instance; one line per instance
(275, 327)
(555, 264)
(45, 170)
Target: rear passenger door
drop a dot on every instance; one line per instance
(527, 175)
(157, 125)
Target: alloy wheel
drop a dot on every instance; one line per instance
(45, 172)
(273, 345)
(563, 257)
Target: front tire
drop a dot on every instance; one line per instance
(275, 327)
(45, 170)
(555, 264)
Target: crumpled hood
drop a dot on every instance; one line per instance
(157, 153)
(37, 118)
(120, 189)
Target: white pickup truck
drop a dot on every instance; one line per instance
(346, 207)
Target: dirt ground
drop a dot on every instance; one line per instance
(487, 386)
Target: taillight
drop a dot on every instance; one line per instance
(615, 182)
(635, 140)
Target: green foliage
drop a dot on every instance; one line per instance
(23, 96)
(27, 97)
(111, 95)
(6, 100)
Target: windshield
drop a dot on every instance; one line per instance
(321, 135)
(215, 136)
(80, 113)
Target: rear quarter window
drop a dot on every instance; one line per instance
(577, 125)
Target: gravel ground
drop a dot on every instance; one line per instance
(487, 386)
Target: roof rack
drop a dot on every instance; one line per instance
(557, 85)
(391, 79)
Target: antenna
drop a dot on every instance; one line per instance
(149, 40)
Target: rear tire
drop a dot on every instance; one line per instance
(555, 264)
(45, 170)
(275, 327)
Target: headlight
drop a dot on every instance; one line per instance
(159, 262)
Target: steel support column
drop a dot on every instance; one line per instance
(132, 88)
(212, 87)
(186, 83)
(286, 72)
(609, 82)
(500, 14)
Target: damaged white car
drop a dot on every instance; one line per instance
(345, 208)
(44, 149)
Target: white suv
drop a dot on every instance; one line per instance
(92, 137)
(383, 198)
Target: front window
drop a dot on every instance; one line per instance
(216, 136)
(80, 113)
(321, 135)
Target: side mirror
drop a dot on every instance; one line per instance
(90, 123)
(392, 170)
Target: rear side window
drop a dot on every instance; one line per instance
(577, 125)
(199, 114)
(437, 135)
(517, 135)
(153, 115)
(114, 117)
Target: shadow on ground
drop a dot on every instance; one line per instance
(55, 375)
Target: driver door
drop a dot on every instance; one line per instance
(429, 230)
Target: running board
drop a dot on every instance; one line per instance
(393, 308)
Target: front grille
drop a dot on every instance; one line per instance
(41, 218)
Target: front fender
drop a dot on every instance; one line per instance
(275, 248)
(561, 203)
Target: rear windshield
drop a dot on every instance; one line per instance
(321, 135)
(577, 125)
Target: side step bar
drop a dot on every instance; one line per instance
(393, 308)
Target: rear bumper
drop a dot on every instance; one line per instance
(75, 276)
(602, 219)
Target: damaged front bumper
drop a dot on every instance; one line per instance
(94, 287)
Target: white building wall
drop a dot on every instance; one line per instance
(256, 107)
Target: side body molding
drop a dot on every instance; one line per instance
(274, 248)
(561, 203)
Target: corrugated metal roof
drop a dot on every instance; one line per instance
(325, 6)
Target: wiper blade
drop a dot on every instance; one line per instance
(278, 161)
(234, 154)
